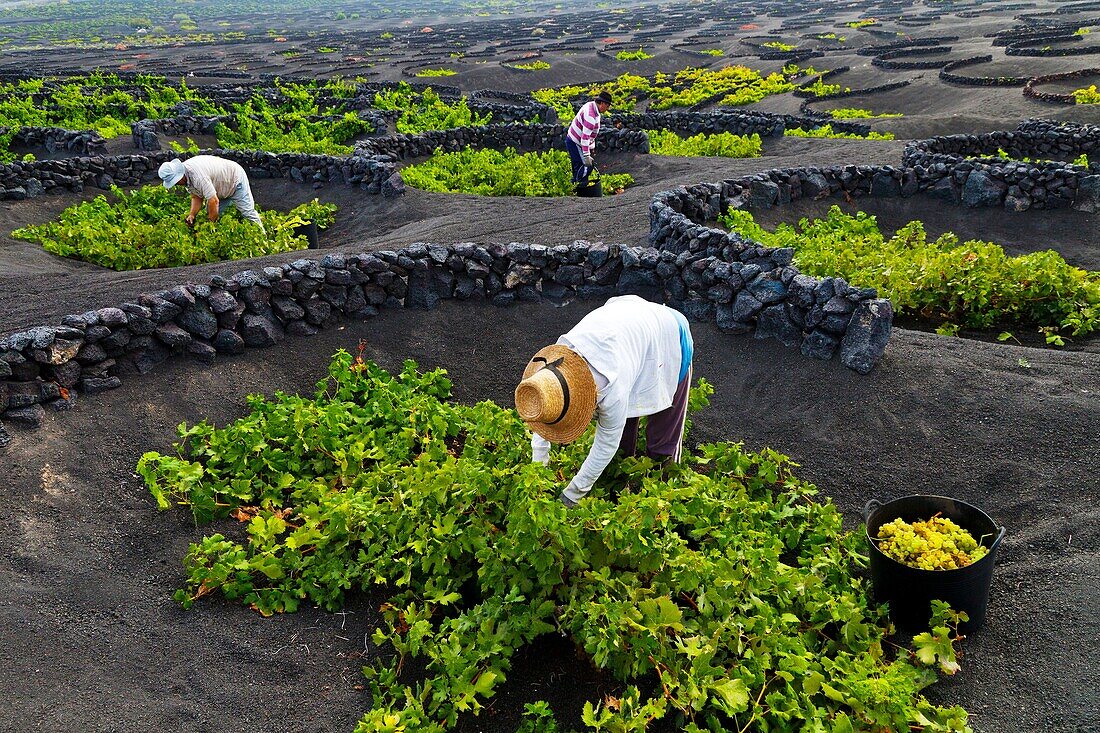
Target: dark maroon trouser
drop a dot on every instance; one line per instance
(664, 431)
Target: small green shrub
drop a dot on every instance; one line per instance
(1088, 95)
(722, 145)
(425, 110)
(436, 72)
(820, 89)
(854, 113)
(538, 65)
(639, 55)
(501, 173)
(713, 51)
(294, 125)
(778, 46)
(973, 284)
(145, 229)
(826, 131)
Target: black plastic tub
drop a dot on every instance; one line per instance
(910, 591)
(593, 188)
(309, 231)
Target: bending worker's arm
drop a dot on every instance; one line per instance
(212, 205)
(610, 421)
(196, 204)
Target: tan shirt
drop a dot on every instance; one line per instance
(209, 176)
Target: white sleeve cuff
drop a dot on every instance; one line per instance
(540, 449)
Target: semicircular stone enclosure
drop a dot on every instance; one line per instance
(812, 184)
(709, 273)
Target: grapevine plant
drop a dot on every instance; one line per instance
(639, 55)
(722, 144)
(425, 110)
(293, 125)
(856, 113)
(973, 284)
(502, 173)
(827, 131)
(145, 229)
(720, 592)
(730, 85)
(1087, 95)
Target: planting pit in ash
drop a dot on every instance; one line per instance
(124, 558)
(943, 285)
(1068, 232)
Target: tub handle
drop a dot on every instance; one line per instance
(869, 507)
(998, 538)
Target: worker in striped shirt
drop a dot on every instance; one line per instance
(580, 141)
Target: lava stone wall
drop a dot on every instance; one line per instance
(1031, 91)
(144, 133)
(27, 180)
(522, 137)
(91, 352)
(966, 167)
(82, 142)
(947, 74)
(746, 287)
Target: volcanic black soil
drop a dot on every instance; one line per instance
(90, 638)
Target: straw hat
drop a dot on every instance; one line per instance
(557, 395)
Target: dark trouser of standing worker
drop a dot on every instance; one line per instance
(580, 170)
(664, 431)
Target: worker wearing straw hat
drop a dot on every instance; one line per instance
(625, 360)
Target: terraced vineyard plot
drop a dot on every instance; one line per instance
(721, 145)
(730, 86)
(722, 593)
(145, 228)
(423, 111)
(502, 173)
(971, 284)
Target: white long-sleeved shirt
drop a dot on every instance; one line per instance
(585, 127)
(209, 176)
(633, 348)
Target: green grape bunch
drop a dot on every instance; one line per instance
(932, 544)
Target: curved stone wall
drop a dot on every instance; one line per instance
(970, 169)
(54, 139)
(95, 351)
(1030, 89)
(27, 180)
(889, 60)
(522, 137)
(746, 287)
(947, 74)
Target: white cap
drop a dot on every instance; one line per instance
(171, 172)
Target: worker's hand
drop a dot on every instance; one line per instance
(569, 503)
(588, 160)
(190, 220)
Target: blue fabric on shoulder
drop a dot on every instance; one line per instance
(687, 349)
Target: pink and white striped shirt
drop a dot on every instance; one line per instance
(585, 127)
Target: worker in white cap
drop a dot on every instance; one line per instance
(215, 182)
